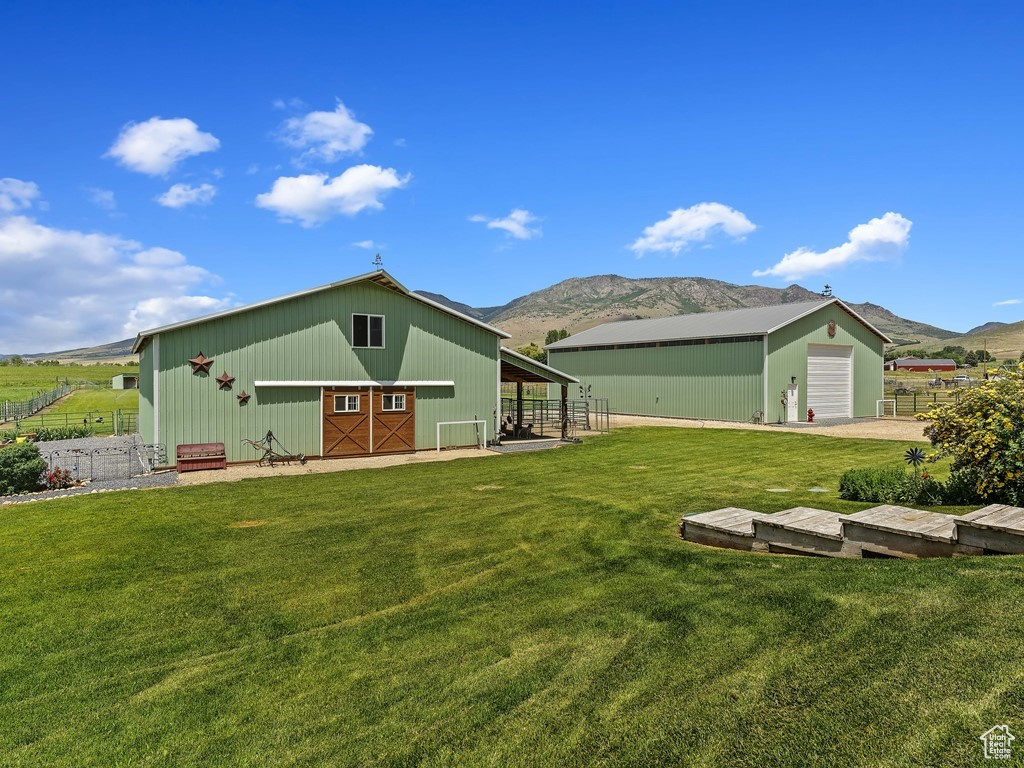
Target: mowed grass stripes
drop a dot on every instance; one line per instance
(528, 609)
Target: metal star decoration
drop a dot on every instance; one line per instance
(224, 381)
(201, 364)
(243, 397)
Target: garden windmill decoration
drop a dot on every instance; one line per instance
(915, 457)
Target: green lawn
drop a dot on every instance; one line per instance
(22, 382)
(533, 609)
(97, 399)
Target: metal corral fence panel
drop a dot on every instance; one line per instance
(123, 421)
(590, 415)
(11, 410)
(907, 404)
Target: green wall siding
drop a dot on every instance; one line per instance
(787, 356)
(308, 339)
(704, 381)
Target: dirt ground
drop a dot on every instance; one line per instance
(244, 471)
(878, 429)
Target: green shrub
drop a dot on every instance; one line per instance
(884, 485)
(21, 466)
(892, 485)
(8, 435)
(69, 432)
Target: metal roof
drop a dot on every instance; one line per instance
(535, 367)
(379, 276)
(751, 321)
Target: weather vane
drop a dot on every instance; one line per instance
(827, 292)
(378, 262)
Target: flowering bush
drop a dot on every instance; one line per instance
(57, 478)
(983, 434)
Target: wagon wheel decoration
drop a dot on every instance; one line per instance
(201, 364)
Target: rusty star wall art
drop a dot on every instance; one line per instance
(224, 381)
(201, 364)
(243, 397)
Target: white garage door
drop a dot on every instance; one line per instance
(830, 380)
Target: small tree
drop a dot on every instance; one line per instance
(1022, 357)
(16, 360)
(552, 337)
(534, 352)
(981, 433)
(971, 358)
(563, 334)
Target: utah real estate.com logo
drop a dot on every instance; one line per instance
(997, 741)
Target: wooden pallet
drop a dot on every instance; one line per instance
(730, 528)
(995, 529)
(893, 531)
(805, 531)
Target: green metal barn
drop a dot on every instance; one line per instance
(356, 367)
(772, 363)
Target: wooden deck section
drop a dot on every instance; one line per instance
(805, 531)
(730, 528)
(995, 529)
(895, 531)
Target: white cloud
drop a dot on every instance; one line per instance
(102, 198)
(326, 136)
(157, 145)
(313, 198)
(1007, 303)
(161, 310)
(877, 240)
(692, 225)
(368, 245)
(16, 195)
(180, 195)
(293, 103)
(516, 224)
(98, 287)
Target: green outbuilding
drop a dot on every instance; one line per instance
(356, 367)
(765, 363)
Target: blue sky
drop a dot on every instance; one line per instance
(489, 150)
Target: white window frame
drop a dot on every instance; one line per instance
(394, 399)
(383, 331)
(346, 409)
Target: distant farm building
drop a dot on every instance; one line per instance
(772, 363)
(125, 381)
(917, 364)
(357, 367)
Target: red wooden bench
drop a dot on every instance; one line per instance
(196, 456)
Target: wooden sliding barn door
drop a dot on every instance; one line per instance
(346, 422)
(394, 431)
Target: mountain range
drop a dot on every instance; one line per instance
(583, 302)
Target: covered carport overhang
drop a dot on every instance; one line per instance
(520, 369)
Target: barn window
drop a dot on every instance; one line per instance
(346, 403)
(392, 402)
(368, 331)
